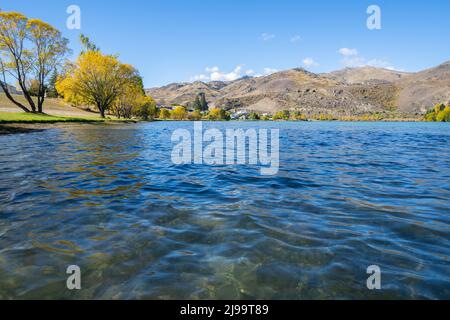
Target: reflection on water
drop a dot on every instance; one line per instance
(109, 200)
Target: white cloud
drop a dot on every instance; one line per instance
(200, 77)
(346, 52)
(309, 62)
(378, 63)
(212, 69)
(268, 71)
(267, 36)
(353, 62)
(296, 39)
(352, 59)
(231, 76)
(215, 74)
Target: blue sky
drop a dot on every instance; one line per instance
(182, 40)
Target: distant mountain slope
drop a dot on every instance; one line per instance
(185, 93)
(424, 89)
(365, 74)
(345, 92)
(12, 90)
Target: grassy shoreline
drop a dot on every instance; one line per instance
(29, 126)
(34, 118)
(16, 118)
(16, 123)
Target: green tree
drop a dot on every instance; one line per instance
(197, 104)
(203, 103)
(87, 44)
(51, 87)
(254, 116)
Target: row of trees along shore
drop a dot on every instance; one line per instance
(181, 113)
(34, 55)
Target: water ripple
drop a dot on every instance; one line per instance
(348, 195)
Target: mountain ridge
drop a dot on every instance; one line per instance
(350, 91)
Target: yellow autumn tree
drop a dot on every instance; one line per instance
(195, 116)
(164, 114)
(145, 108)
(30, 51)
(96, 79)
(64, 87)
(130, 98)
(218, 114)
(49, 50)
(179, 113)
(444, 115)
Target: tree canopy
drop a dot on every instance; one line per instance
(200, 104)
(179, 113)
(440, 113)
(30, 50)
(99, 80)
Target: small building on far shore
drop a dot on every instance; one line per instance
(240, 115)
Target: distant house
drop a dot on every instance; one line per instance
(240, 115)
(163, 106)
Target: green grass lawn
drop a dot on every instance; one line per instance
(6, 117)
(51, 106)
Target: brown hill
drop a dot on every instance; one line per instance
(346, 92)
(365, 75)
(424, 89)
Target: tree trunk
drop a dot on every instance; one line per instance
(28, 97)
(102, 111)
(40, 104)
(41, 98)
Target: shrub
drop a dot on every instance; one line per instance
(298, 116)
(179, 113)
(439, 107)
(218, 114)
(443, 115)
(282, 115)
(254, 116)
(164, 114)
(145, 108)
(195, 116)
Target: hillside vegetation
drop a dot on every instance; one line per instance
(345, 93)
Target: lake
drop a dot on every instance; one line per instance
(109, 200)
